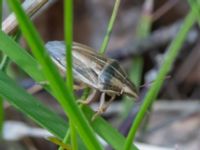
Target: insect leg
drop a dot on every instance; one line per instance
(106, 105)
(101, 106)
(91, 98)
(102, 103)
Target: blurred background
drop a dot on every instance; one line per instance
(141, 35)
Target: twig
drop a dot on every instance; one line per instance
(31, 7)
(10, 24)
(163, 9)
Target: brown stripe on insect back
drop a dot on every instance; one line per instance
(111, 78)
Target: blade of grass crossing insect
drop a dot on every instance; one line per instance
(68, 31)
(173, 50)
(68, 28)
(62, 93)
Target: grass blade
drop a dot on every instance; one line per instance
(106, 131)
(31, 106)
(1, 99)
(110, 27)
(68, 23)
(68, 31)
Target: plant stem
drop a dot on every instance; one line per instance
(66, 139)
(1, 116)
(73, 137)
(68, 30)
(195, 5)
(1, 13)
(173, 51)
(1, 66)
(4, 63)
(110, 27)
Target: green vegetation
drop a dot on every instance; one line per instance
(41, 69)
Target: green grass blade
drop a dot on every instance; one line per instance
(63, 94)
(195, 5)
(1, 99)
(31, 106)
(1, 13)
(4, 63)
(106, 131)
(68, 32)
(1, 116)
(17, 54)
(165, 68)
(110, 27)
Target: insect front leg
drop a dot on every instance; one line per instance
(95, 94)
(106, 105)
(103, 105)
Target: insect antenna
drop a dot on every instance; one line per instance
(151, 82)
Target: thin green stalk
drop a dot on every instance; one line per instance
(73, 137)
(63, 94)
(71, 133)
(1, 99)
(68, 31)
(143, 30)
(1, 12)
(165, 68)
(144, 25)
(4, 63)
(195, 5)
(1, 116)
(110, 27)
(66, 139)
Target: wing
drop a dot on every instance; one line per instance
(84, 69)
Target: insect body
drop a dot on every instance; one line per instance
(103, 74)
